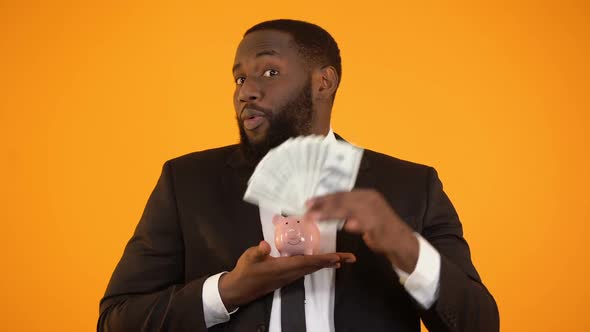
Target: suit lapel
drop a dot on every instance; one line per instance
(346, 242)
(244, 217)
(246, 224)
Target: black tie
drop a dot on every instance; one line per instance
(293, 307)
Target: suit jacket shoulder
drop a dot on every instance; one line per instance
(205, 160)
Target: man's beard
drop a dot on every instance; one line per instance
(293, 119)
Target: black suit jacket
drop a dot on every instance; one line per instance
(195, 224)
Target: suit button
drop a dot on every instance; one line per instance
(261, 328)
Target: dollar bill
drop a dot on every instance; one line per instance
(300, 169)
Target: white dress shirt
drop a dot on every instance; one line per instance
(422, 284)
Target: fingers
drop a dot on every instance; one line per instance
(264, 248)
(346, 257)
(343, 205)
(313, 263)
(258, 253)
(332, 206)
(301, 265)
(369, 241)
(363, 209)
(352, 225)
(292, 268)
(308, 262)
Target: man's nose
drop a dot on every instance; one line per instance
(250, 91)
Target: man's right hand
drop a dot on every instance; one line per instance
(257, 273)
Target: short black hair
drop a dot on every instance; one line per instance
(315, 43)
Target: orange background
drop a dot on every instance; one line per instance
(94, 97)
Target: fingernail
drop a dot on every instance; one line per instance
(351, 226)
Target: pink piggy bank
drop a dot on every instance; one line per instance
(296, 236)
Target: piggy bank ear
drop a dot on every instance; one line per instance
(276, 219)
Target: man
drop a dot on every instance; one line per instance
(401, 256)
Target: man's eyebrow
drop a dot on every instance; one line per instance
(259, 54)
(266, 52)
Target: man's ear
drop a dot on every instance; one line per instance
(326, 82)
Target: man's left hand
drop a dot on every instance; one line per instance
(366, 212)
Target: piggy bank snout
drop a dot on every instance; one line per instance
(293, 233)
(293, 236)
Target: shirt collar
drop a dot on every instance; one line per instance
(331, 137)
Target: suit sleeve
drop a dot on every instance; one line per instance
(464, 303)
(147, 291)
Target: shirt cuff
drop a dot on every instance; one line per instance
(214, 310)
(423, 283)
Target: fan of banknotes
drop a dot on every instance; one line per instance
(301, 168)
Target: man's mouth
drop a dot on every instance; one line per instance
(253, 122)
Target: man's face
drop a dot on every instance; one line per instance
(273, 92)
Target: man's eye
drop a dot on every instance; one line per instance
(240, 80)
(270, 73)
